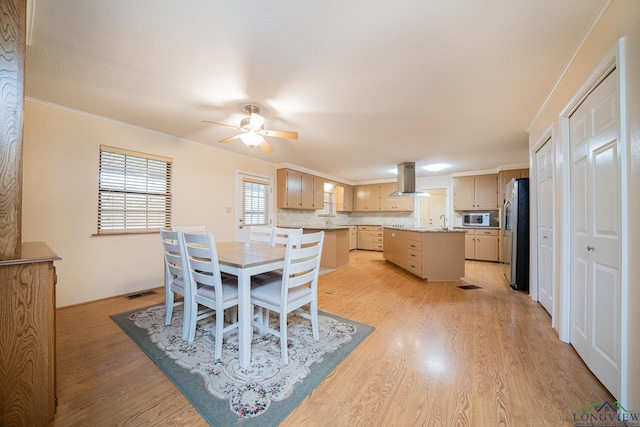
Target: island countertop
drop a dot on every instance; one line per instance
(325, 227)
(426, 229)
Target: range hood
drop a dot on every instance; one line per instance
(407, 181)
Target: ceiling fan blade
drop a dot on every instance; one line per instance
(220, 124)
(266, 147)
(231, 138)
(281, 134)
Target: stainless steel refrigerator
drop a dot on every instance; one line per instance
(516, 233)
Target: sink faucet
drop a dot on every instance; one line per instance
(444, 221)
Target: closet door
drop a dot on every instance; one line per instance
(544, 166)
(595, 233)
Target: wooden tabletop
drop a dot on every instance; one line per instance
(242, 255)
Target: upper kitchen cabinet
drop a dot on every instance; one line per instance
(366, 198)
(344, 197)
(395, 203)
(374, 197)
(506, 176)
(475, 192)
(299, 190)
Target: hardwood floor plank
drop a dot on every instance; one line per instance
(439, 355)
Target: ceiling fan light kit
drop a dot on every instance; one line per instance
(253, 131)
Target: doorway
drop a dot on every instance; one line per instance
(254, 203)
(433, 209)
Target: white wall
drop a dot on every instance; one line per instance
(60, 192)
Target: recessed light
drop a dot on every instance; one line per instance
(436, 167)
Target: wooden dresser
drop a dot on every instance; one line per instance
(27, 337)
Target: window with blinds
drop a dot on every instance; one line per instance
(134, 191)
(256, 194)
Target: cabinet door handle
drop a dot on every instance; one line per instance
(590, 248)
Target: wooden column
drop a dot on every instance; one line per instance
(12, 51)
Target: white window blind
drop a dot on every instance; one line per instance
(255, 201)
(134, 191)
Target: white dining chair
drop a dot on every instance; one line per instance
(176, 277)
(297, 288)
(280, 234)
(261, 235)
(208, 289)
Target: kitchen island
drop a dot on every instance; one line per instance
(432, 254)
(335, 249)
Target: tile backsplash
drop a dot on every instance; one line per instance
(310, 219)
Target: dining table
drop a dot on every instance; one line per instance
(244, 260)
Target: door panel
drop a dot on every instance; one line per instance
(606, 296)
(544, 166)
(595, 234)
(580, 296)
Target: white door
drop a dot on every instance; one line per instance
(254, 203)
(544, 214)
(433, 207)
(595, 233)
(438, 210)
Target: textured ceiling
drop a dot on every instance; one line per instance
(367, 84)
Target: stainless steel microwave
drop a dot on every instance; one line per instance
(476, 219)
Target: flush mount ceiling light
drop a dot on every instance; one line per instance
(253, 131)
(436, 167)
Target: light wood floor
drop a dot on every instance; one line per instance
(439, 355)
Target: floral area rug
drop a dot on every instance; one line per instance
(224, 393)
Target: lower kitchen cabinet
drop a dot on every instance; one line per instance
(353, 237)
(429, 255)
(482, 244)
(370, 237)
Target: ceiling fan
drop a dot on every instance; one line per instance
(253, 131)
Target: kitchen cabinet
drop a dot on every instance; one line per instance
(482, 244)
(299, 190)
(370, 238)
(395, 203)
(344, 197)
(366, 198)
(374, 197)
(335, 249)
(475, 192)
(353, 237)
(28, 324)
(505, 176)
(429, 255)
